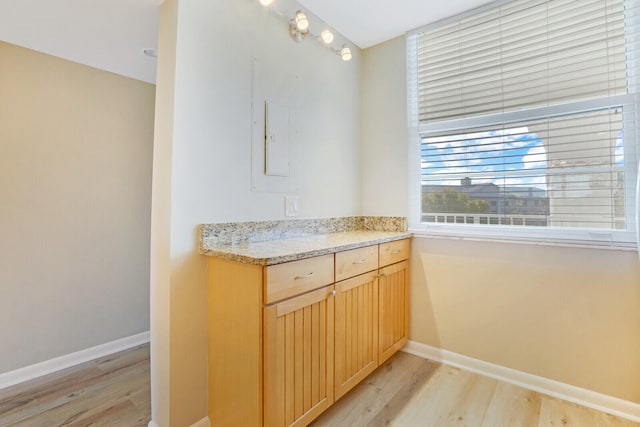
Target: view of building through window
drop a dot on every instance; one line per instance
(565, 171)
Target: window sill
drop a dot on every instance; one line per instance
(422, 233)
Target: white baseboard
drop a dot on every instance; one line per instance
(59, 363)
(602, 402)
(202, 423)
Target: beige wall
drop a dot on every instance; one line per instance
(202, 165)
(384, 129)
(75, 178)
(568, 314)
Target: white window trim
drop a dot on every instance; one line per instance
(419, 234)
(615, 239)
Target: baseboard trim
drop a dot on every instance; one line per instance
(59, 363)
(602, 402)
(202, 423)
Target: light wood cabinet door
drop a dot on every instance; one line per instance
(393, 292)
(356, 331)
(298, 358)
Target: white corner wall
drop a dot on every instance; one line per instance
(203, 165)
(75, 179)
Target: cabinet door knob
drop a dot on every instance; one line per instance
(306, 276)
(333, 293)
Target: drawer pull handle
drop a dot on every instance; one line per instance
(362, 261)
(306, 276)
(381, 275)
(395, 252)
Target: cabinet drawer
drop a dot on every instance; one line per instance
(296, 277)
(393, 252)
(356, 261)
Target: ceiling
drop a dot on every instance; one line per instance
(105, 34)
(369, 22)
(111, 34)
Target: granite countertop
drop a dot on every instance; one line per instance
(271, 252)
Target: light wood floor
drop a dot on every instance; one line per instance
(112, 391)
(406, 391)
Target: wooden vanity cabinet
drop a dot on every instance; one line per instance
(235, 343)
(356, 330)
(393, 297)
(371, 310)
(298, 358)
(393, 310)
(356, 317)
(286, 280)
(287, 340)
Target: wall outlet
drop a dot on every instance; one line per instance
(291, 206)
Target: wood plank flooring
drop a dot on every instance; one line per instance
(111, 391)
(406, 391)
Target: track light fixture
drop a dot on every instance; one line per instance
(345, 53)
(299, 26)
(326, 36)
(299, 30)
(302, 21)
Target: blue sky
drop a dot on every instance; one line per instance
(485, 157)
(505, 157)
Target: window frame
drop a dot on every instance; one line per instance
(627, 239)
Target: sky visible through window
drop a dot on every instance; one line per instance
(509, 157)
(486, 157)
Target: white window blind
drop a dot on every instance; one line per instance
(523, 54)
(527, 116)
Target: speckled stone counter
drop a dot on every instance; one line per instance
(275, 242)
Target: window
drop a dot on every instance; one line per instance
(525, 116)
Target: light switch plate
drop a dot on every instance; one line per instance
(291, 206)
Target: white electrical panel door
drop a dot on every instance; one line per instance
(277, 139)
(275, 151)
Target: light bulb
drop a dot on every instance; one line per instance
(345, 53)
(265, 2)
(326, 36)
(301, 20)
